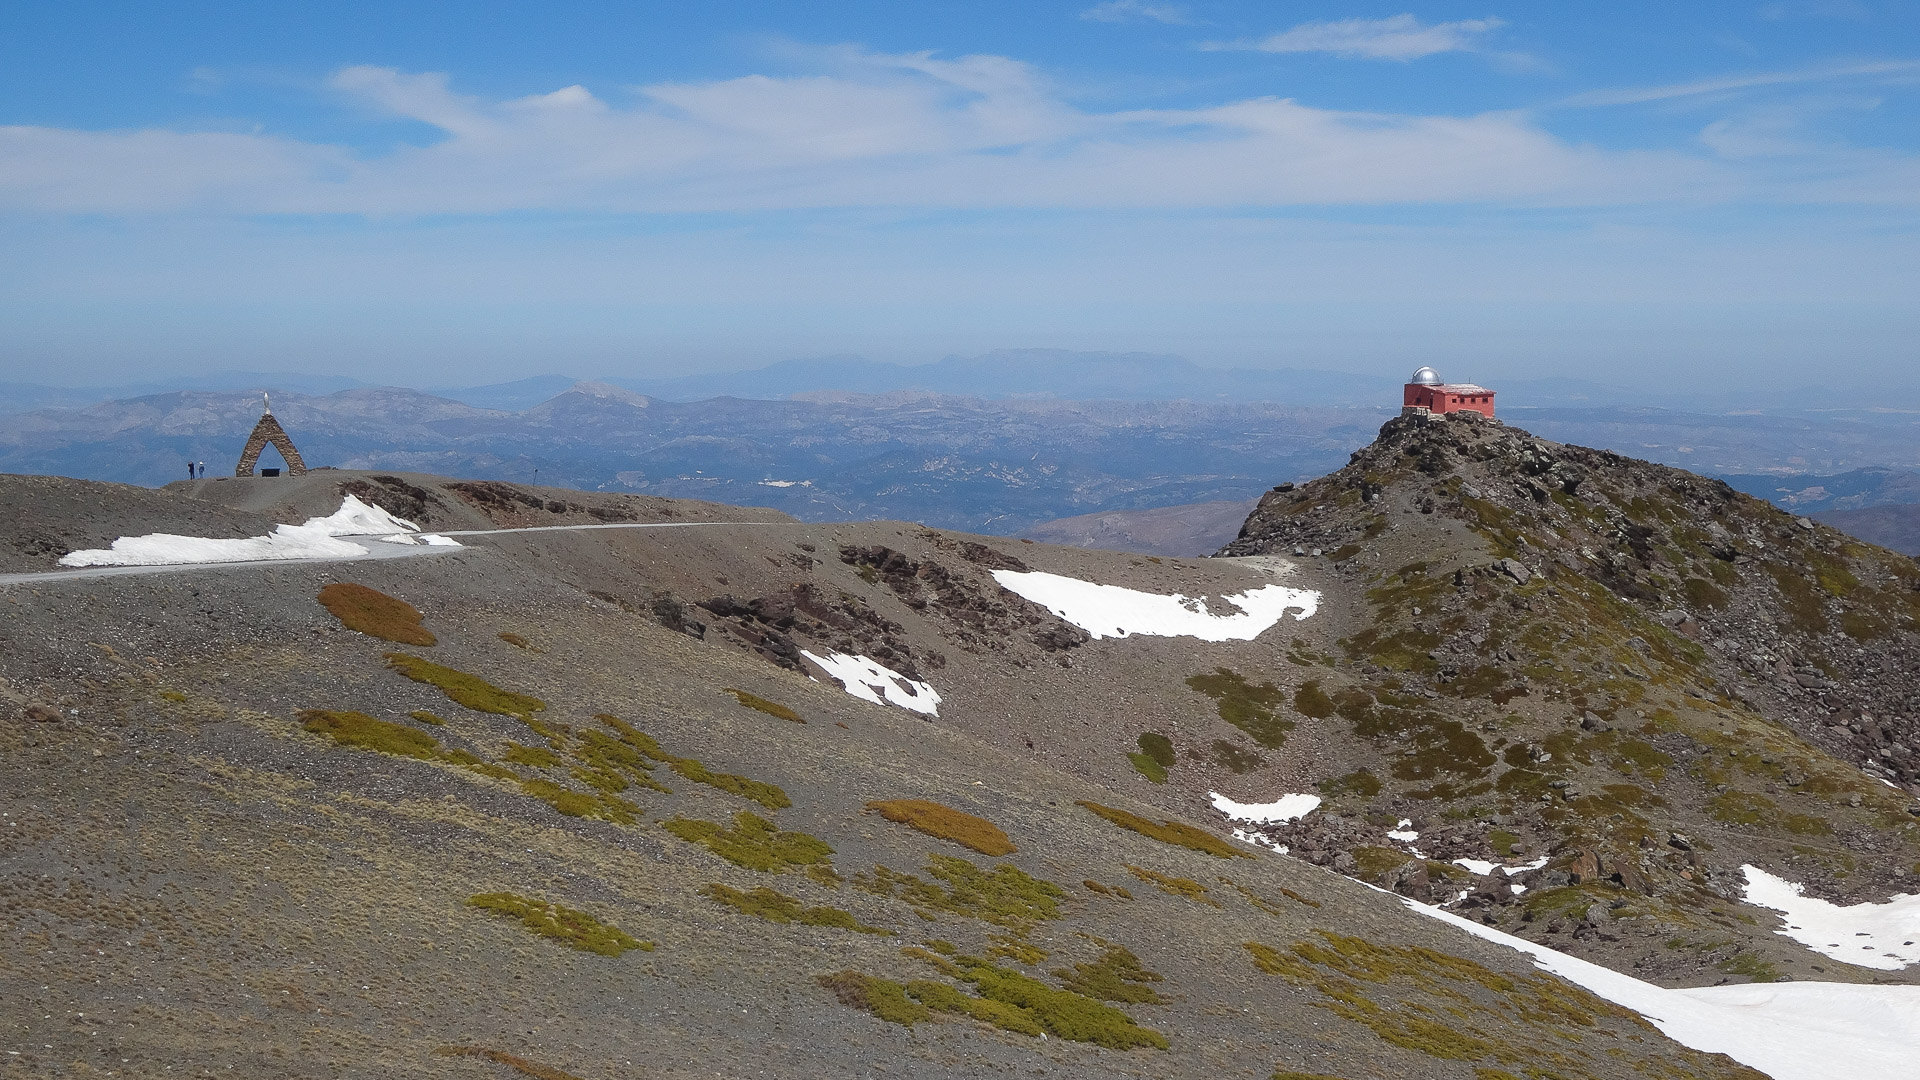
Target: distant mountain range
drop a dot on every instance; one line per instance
(997, 443)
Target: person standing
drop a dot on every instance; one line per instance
(189, 469)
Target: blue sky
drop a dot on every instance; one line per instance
(462, 193)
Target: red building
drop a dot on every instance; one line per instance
(1426, 393)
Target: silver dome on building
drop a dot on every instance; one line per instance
(1426, 376)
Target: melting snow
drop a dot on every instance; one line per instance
(1260, 839)
(1402, 833)
(355, 518)
(1883, 936)
(1790, 1031)
(315, 539)
(870, 681)
(1286, 808)
(1111, 611)
(1479, 867)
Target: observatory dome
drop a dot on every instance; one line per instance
(1426, 376)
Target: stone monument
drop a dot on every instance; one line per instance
(268, 430)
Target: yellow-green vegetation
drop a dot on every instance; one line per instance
(1360, 782)
(1174, 886)
(1251, 707)
(768, 795)
(1265, 905)
(778, 907)
(363, 732)
(576, 929)
(771, 708)
(174, 696)
(941, 997)
(1107, 890)
(1169, 832)
(753, 842)
(602, 805)
(425, 717)
(538, 757)
(1155, 756)
(1235, 759)
(1374, 861)
(464, 689)
(1015, 948)
(516, 640)
(946, 823)
(1005, 894)
(1063, 1014)
(375, 614)
(883, 998)
(612, 760)
(512, 1061)
(1116, 976)
(1753, 967)
(1312, 701)
(1451, 1008)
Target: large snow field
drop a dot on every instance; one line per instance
(1883, 936)
(1790, 1031)
(316, 538)
(1112, 611)
(869, 680)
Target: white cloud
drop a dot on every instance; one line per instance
(1728, 84)
(1118, 11)
(909, 130)
(1401, 37)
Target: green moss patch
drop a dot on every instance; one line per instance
(883, 998)
(1360, 782)
(1005, 894)
(602, 805)
(1235, 759)
(753, 842)
(464, 689)
(1063, 1014)
(537, 757)
(375, 614)
(1154, 758)
(363, 732)
(575, 929)
(425, 717)
(946, 823)
(771, 708)
(778, 907)
(768, 795)
(1251, 707)
(1174, 886)
(1374, 861)
(1169, 832)
(1116, 976)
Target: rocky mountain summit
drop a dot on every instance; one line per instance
(1636, 673)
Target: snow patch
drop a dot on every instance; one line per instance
(1259, 839)
(315, 539)
(1790, 1031)
(1524, 867)
(1478, 867)
(871, 681)
(1880, 936)
(166, 549)
(1403, 833)
(1286, 808)
(355, 518)
(1111, 611)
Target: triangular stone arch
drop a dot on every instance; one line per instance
(268, 430)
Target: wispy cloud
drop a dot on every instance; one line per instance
(1727, 84)
(1401, 37)
(877, 131)
(1120, 11)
